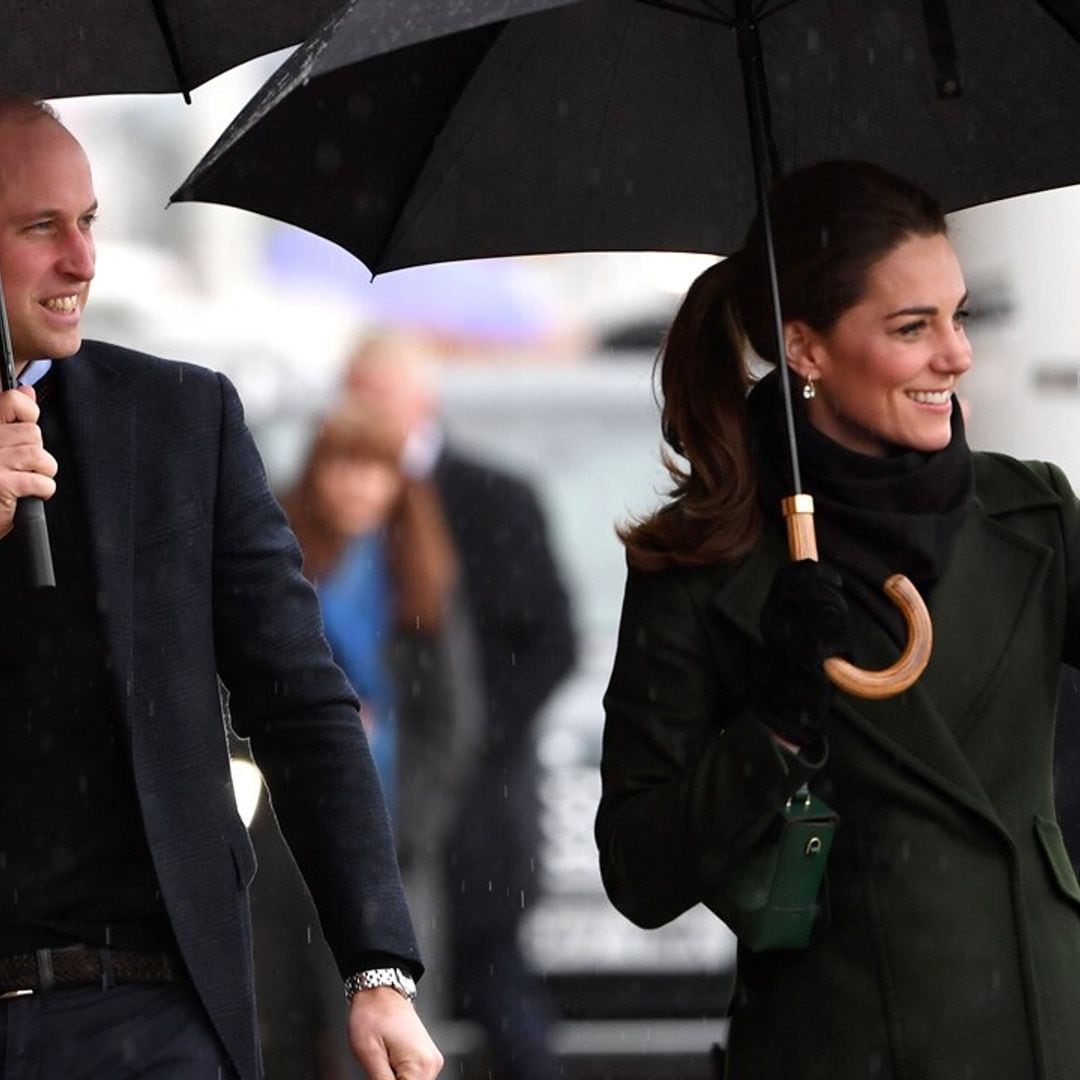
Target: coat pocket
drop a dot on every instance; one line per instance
(1057, 858)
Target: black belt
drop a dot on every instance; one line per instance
(84, 965)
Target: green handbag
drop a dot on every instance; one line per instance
(773, 901)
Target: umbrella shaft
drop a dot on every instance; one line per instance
(756, 113)
(7, 356)
(174, 53)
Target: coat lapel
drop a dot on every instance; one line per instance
(97, 404)
(973, 629)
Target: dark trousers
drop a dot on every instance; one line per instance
(494, 879)
(133, 1032)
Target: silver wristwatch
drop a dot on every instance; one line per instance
(399, 980)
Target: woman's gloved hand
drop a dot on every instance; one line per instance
(804, 621)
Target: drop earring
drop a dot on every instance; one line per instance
(809, 391)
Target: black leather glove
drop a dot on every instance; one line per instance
(804, 621)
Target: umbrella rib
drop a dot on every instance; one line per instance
(174, 52)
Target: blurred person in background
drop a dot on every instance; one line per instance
(377, 547)
(521, 615)
(378, 551)
(125, 934)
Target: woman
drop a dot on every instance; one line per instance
(947, 943)
(378, 549)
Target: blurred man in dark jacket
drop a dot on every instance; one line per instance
(522, 620)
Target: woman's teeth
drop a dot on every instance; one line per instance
(930, 397)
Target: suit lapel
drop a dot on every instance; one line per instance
(973, 629)
(97, 405)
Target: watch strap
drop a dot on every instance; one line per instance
(372, 978)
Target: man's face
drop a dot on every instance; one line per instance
(47, 209)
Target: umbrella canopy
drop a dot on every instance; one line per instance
(414, 132)
(64, 48)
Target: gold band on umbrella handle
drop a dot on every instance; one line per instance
(798, 513)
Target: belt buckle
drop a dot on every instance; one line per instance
(10, 995)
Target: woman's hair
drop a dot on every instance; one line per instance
(831, 223)
(422, 561)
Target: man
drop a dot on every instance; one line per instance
(124, 930)
(521, 615)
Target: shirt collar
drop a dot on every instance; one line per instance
(35, 370)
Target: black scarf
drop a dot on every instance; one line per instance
(874, 516)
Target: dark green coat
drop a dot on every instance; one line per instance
(950, 947)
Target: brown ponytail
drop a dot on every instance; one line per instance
(713, 514)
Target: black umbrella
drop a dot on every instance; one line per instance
(418, 131)
(64, 48)
(414, 132)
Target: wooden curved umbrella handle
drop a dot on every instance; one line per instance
(802, 544)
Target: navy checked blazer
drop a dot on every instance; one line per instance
(199, 578)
